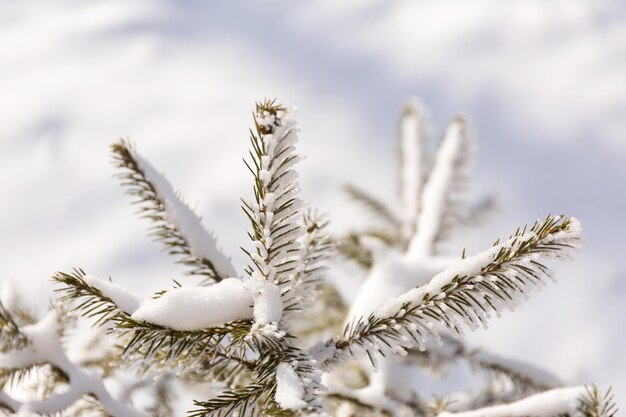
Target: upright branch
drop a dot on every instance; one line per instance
(443, 191)
(275, 211)
(174, 223)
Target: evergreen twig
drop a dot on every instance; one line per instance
(152, 206)
(512, 270)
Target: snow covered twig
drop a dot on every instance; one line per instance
(466, 292)
(174, 223)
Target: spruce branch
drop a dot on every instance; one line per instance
(149, 340)
(276, 207)
(91, 302)
(174, 223)
(466, 292)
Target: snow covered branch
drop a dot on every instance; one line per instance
(466, 292)
(174, 223)
(275, 211)
(157, 326)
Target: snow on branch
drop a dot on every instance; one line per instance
(174, 223)
(570, 401)
(44, 347)
(275, 211)
(196, 330)
(445, 187)
(466, 292)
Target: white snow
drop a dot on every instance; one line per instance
(268, 305)
(546, 404)
(437, 190)
(289, 388)
(202, 243)
(122, 297)
(196, 308)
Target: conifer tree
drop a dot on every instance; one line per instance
(265, 334)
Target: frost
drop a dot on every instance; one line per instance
(473, 266)
(289, 388)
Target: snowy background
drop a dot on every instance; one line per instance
(544, 83)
